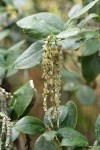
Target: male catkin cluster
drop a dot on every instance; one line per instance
(5, 136)
(51, 69)
(4, 96)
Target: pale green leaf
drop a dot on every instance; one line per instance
(84, 10)
(23, 97)
(72, 137)
(30, 125)
(31, 57)
(90, 47)
(71, 118)
(41, 25)
(12, 54)
(85, 95)
(74, 9)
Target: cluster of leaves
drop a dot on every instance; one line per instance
(72, 35)
(56, 138)
(10, 12)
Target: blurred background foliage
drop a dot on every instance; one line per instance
(87, 98)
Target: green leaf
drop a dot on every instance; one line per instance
(31, 57)
(23, 97)
(4, 34)
(74, 9)
(69, 76)
(90, 35)
(72, 137)
(63, 114)
(68, 33)
(72, 43)
(88, 18)
(84, 10)
(95, 9)
(81, 12)
(90, 67)
(41, 25)
(30, 125)
(97, 128)
(86, 95)
(49, 135)
(71, 118)
(78, 34)
(11, 56)
(91, 47)
(43, 144)
(71, 86)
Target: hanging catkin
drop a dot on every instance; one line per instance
(51, 75)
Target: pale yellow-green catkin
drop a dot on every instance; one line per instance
(51, 75)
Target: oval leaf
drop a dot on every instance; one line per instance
(72, 43)
(81, 12)
(86, 95)
(72, 137)
(90, 66)
(84, 10)
(30, 125)
(41, 25)
(91, 47)
(69, 76)
(71, 118)
(71, 86)
(23, 97)
(31, 57)
(68, 33)
(12, 54)
(74, 9)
